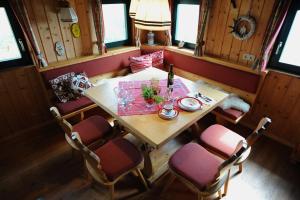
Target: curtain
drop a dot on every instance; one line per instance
(21, 14)
(168, 37)
(99, 25)
(138, 37)
(205, 6)
(273, 29)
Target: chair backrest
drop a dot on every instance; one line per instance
(65, 125)
(258, 131)
(92, 161)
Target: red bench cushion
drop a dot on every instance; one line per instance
(71, 106)
(230, 112)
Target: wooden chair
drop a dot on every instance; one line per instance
(94, 131)
(201, 170)
(112, 161)
(223, 142)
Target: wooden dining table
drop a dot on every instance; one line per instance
(153, 132)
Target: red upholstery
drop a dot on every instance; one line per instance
(92, 129)
(231, 113)
(117, 157)
(196, 164)
(71, 106)
(94, 67)
(220, 139)
(229, 76)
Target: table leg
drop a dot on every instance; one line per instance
(148, 165)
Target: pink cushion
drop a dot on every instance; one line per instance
(231, 113)
(71, 106)
(140, 63)
(117, 157)
(157, 58)
(196, 164)
(92, 129)
(220, 139)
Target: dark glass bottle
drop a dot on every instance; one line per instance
(170, 78)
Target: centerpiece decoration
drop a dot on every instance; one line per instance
(151, 93)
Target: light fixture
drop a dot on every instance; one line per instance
(133, 8)
(153, 15)
(67, 13)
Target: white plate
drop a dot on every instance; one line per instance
(190, 103)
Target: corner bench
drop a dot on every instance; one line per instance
(230, 77)
(100, 67)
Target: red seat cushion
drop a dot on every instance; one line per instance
(117, 157)
(220, 139)
(71, 106)
(196, 164)
(92, 129)
(231, 113)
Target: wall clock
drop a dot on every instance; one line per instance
(75, 29)
(243, 27)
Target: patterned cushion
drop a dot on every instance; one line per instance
(61, 87)
(157, 58)
(140, 63)
(79, 83)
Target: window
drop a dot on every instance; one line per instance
(13, 49)
(186, 16)
(285, 55)
(115, 15)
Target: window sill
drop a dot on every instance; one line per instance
(110, 52)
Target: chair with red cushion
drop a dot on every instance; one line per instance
(223, 141)
(94, 131)
(110, 162)
(201, 170)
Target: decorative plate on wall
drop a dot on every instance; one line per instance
(75, 29)
(243, 27)
(59, 48)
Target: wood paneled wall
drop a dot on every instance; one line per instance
(23, 105)
(280, 100)
(49, 29)
(220, 42)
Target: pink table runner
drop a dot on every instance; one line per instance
(138, 106)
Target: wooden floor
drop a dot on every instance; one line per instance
(52, 172)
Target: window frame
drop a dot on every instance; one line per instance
(18, 33)
(122, 42)
(282, 38)
(176, 2)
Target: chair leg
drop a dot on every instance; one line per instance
(168, 184)
(240, 168)
(112, 191)
(200, 197)
(226, 183)
(138, 171)
(220, 194)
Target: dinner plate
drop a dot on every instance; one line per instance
(168, 114)
(189, 103)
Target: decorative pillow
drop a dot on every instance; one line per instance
(236, 103)
(61, 87)
(140, 63)
(79, 83)
(157, 58)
